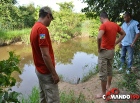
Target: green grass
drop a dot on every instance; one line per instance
(15, 34)
(90, 74)
(64, 97)
(32, 98)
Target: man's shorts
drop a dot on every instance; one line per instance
(105, 61)
(49, 92)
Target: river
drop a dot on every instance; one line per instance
(74, 59)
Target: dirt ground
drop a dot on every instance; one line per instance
(91, 88)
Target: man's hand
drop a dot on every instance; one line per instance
(49, 64)
(120, 45)
(55, 78)
(132, 45)
(99, 50)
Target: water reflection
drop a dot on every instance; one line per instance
(64, 52)
(71, 58)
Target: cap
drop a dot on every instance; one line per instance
(47, 10)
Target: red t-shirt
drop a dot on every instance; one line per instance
(109, 37)
(40, 37)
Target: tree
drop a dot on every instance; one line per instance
(8, 1)
(113, 8)
(28, 15)
(66, 24)
(9, 13)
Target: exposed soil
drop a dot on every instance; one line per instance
(91, 88)
(9, 42)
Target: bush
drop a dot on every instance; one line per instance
(66, 24)
(7, 67)
(90, 27)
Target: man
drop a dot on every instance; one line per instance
(127, 44)
(106, 45)
(44, 58)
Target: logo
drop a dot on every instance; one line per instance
(113, 94)
(42, 36)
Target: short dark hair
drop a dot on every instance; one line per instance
(128, 14)
(42, 14)
(104, 14)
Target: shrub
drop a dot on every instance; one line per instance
(7, 67)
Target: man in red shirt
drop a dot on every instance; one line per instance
(44, 57)
(106, 45)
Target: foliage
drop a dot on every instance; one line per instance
(28, 15)
(71, 98)
(129, 82)
(117, 57)
(66, 23)
(64, 97)
(32, 98)
(136, 61)
(90, 27)
(90, 74)
(112, 7)
(7, 67)
(16, 17)
(9, 36)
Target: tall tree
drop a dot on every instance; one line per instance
(28, 15)
(7, 11)
(113, 8)
(66, 24)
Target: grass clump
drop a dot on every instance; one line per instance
(72, 98)
(15, 35)
(90, 74)
(32, 98)
(129, 82)
(64, 97)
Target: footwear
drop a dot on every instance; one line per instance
(120, 69)
(127, 71)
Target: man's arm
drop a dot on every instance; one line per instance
(136, 38)
(99, 38)
(122, 33)
(49, 64)
(137, 34)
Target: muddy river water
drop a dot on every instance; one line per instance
(74, 59)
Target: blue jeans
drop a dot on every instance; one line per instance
(129, 51)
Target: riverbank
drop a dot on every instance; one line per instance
(9, 37)
(88, 90)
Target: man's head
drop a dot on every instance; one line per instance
(103, 17)
(45, 14)
(127, 17)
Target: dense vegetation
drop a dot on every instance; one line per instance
(7, 67)
(113, 7)
(16, 22)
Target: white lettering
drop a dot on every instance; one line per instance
(120, 97)
(113, 97)
(103, 97)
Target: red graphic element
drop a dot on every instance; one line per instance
(134, 96)
(113, 91)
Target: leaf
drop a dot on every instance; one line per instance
(5, 95)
